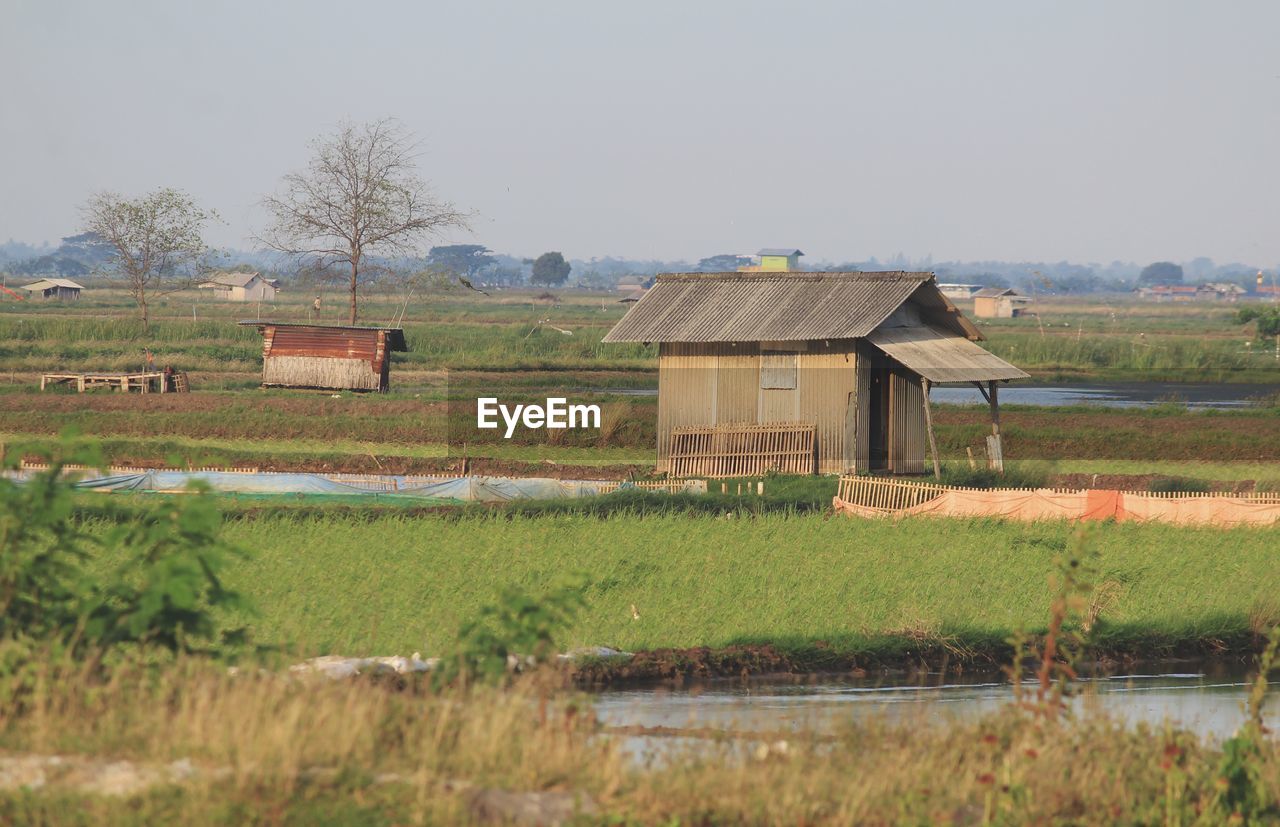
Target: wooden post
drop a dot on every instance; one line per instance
(995, 450)
(928, 424)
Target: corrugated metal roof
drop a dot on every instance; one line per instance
(780, 251)
(942, 357)
(45, 284)
(231, 279)
(395, 335)
(764, 306)
(994, 292)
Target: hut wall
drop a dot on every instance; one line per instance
(828, 388)
(686, 390)
(857, 419)
(321, 372)
(317, 357)
(907, 435)
(737, 383)
(721, 384)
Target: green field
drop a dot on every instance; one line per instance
(362, 584)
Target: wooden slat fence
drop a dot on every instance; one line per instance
(1267, 497)
(743, 450)
(662, 486)
(115, 470)
(886, 495)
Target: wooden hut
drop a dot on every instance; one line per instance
(241, 287)
(327, 356)
(999, 303)
(51, 288)
(803, 372)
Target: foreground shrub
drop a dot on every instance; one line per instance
(163, 590)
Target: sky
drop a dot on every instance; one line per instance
(1091, 130)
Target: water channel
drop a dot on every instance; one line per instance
(1208, 702)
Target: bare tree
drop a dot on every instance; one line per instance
(360, 195)
(153, 239)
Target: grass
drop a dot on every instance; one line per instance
(395, 583)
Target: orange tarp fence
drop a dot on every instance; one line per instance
(867, 497)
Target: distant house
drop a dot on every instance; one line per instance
(775, 259)
(1224, 291)
(802, 372)
(632, 284)
(332, 357)
(999, 303)
(955, 290)
(60, 289)
(1174, 293)
(241, 287)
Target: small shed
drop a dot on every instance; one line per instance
(773, 259)
(804, 372)
(296, 355)
(241, 287)
(60, 289)
(999, 303)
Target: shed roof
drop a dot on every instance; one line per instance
(995, 292)
(395, 335)
(783, 306)
(780, 251)
(942, 357)
(230, 279)
(45, 284)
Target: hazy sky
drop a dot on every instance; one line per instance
(1092, 131)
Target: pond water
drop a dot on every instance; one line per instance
(1131, 395)
(1220, 396)
(1209, 704)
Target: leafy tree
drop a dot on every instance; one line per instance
(1161, 272)
(1268, 319)
(463, 259)
(360, 196)
(723, 263)
(154, 239)
(54, 265)
(87, 248)
(550, 269)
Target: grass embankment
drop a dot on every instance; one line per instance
(828, 590)
(260, 749)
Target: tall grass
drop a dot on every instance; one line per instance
(266, 749)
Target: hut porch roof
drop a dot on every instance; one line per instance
(942, 357)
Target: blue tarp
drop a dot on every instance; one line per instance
(460, 489)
